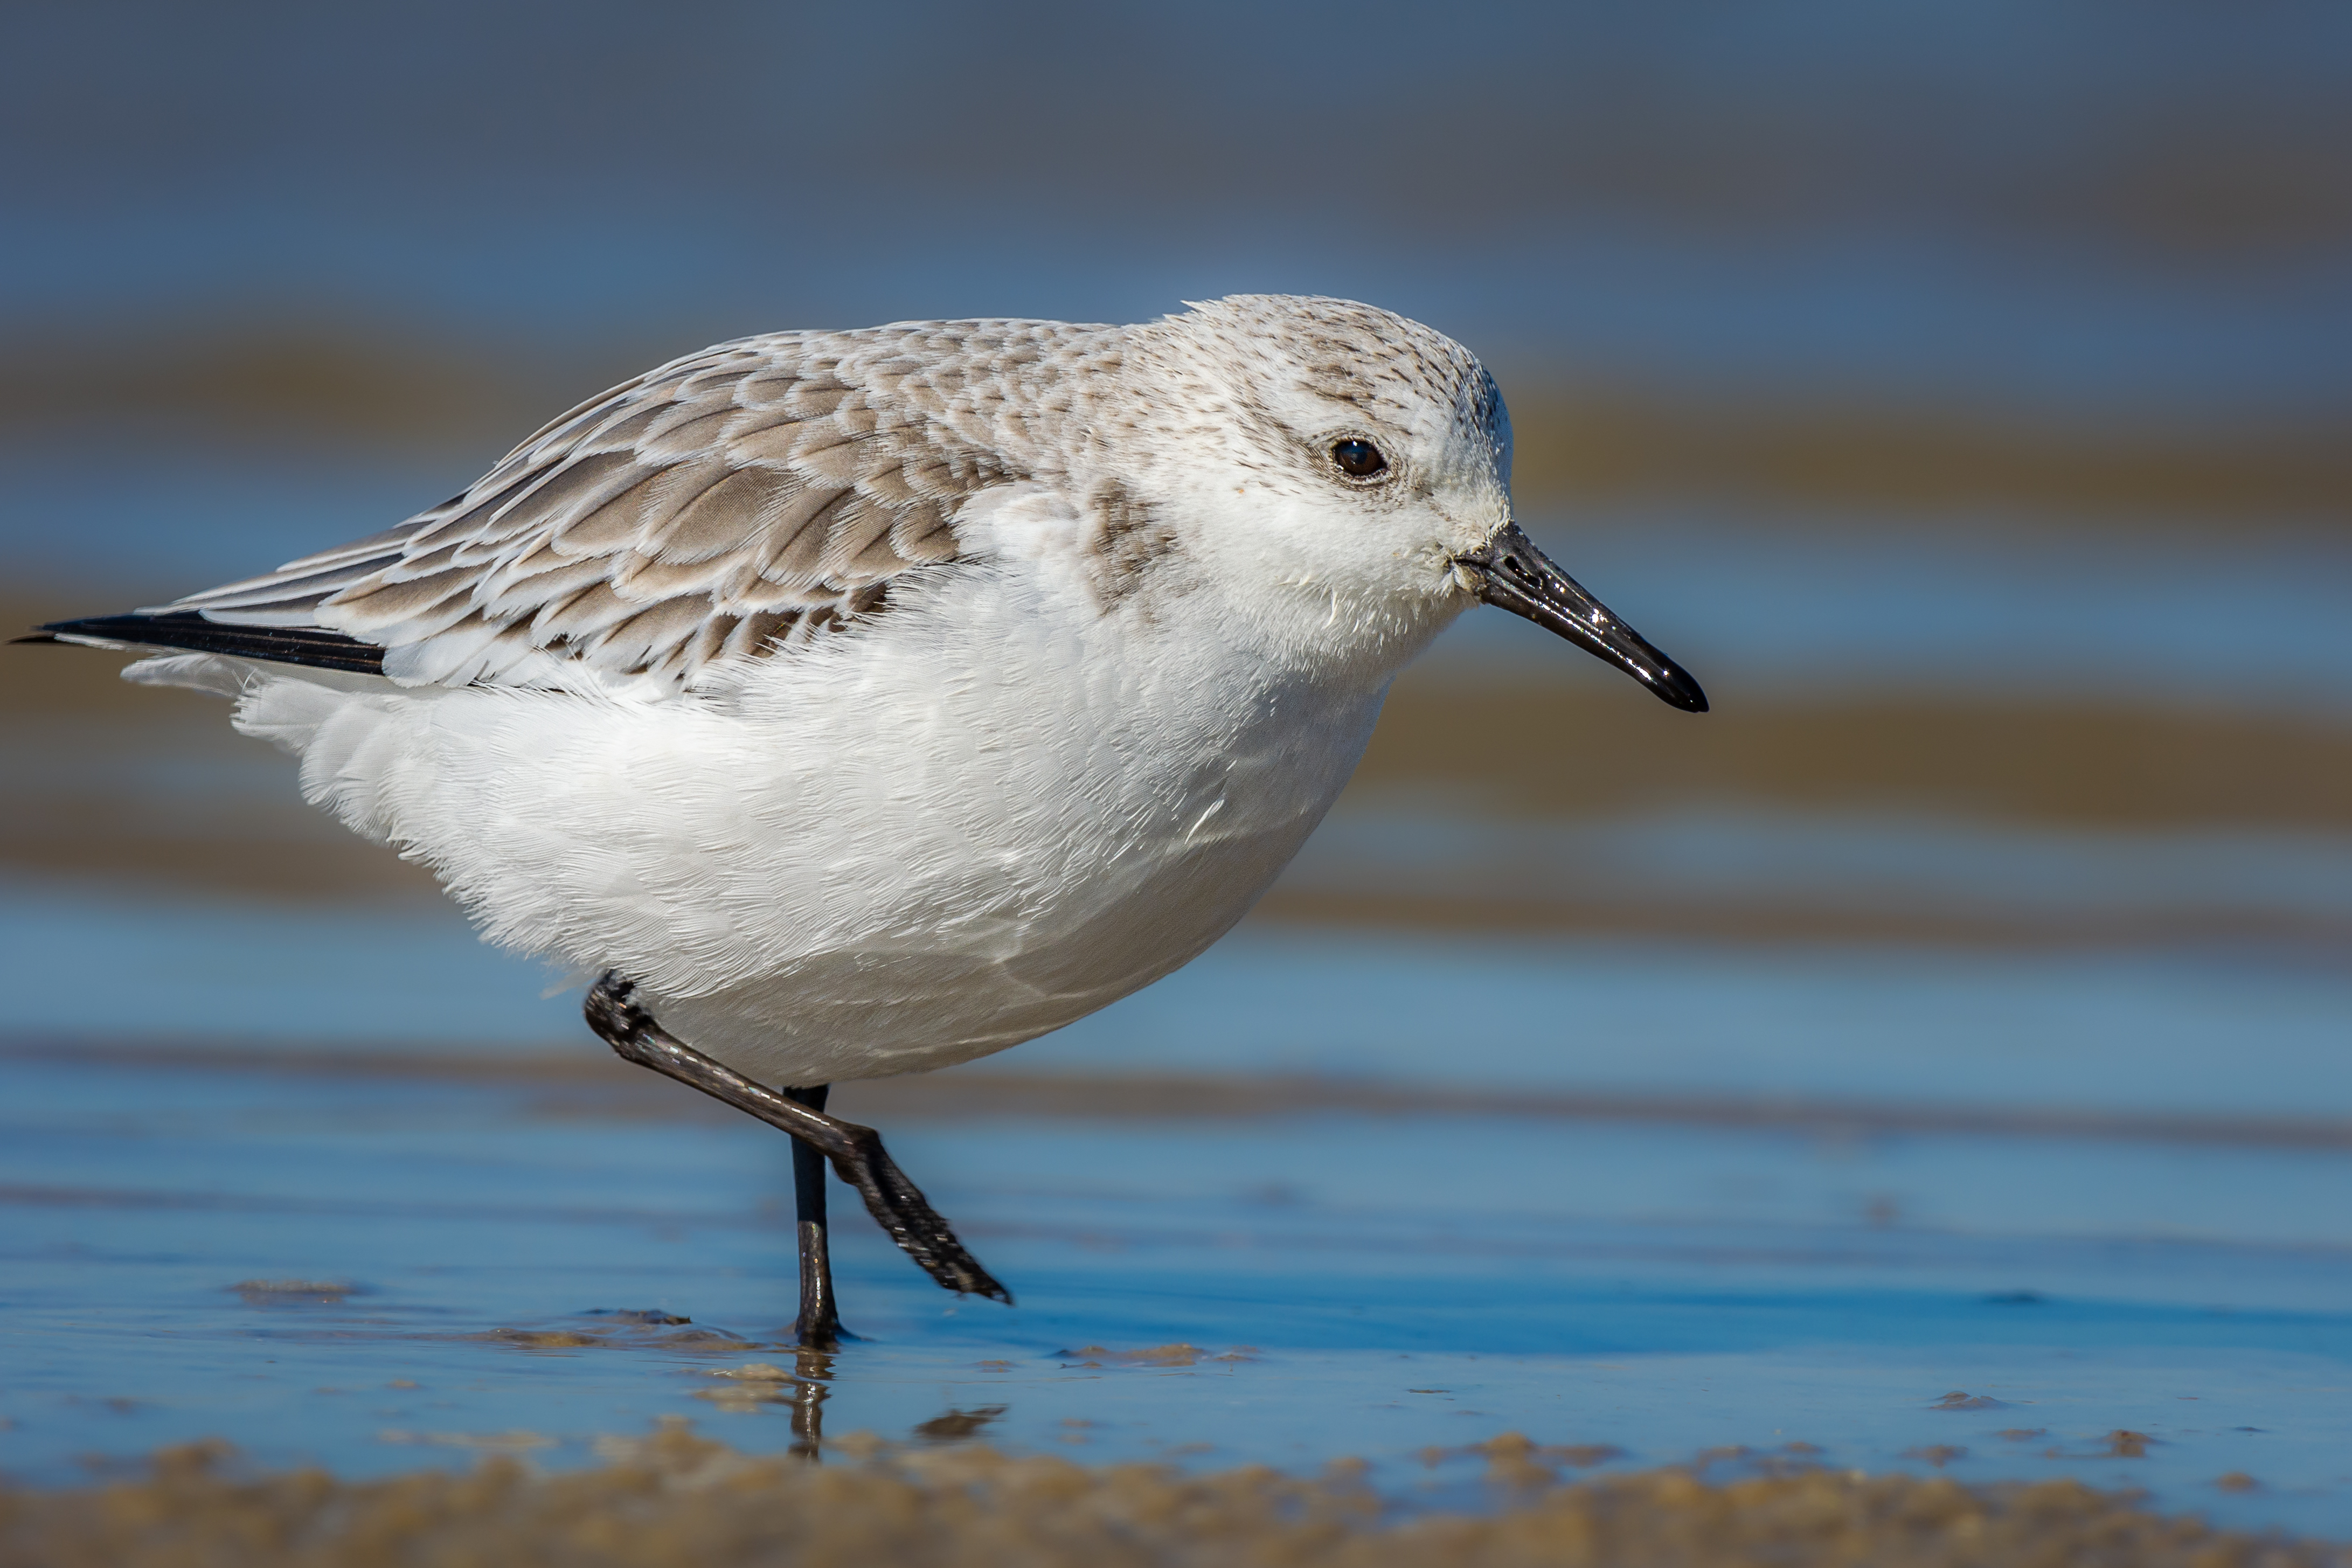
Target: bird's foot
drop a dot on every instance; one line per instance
(899, 1207)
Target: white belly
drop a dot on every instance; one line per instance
(976, 820)
(871, 1009)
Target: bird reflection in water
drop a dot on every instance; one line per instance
(811, 1380)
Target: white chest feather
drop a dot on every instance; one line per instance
(995, 808)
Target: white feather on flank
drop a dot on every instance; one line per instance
(1122, 668)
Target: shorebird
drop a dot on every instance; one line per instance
(855, 703)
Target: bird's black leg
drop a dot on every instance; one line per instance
(856, 1153)
(819, 1325)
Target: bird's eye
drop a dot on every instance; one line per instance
(1359, 459)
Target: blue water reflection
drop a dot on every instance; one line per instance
(352, 1267)
(2172, 1031)
(2222, 617)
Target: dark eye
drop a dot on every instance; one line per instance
(1359, 459)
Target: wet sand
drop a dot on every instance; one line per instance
(676, 1498)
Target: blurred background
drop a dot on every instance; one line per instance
(1960, 391)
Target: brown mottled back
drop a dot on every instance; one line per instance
(741, 496)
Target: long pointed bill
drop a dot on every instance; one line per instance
(1513, 573)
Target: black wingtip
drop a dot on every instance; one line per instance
(36, 637)
(186, 629)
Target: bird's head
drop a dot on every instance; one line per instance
(1354, 469)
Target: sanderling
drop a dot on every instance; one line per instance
(862, 703)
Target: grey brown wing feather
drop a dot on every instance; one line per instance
(741, 498)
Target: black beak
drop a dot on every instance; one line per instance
(1513, 573)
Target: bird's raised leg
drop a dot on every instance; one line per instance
(856, 1153)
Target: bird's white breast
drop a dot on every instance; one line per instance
(997, 806)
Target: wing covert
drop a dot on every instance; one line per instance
(742, 498)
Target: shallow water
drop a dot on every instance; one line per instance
(2235, 613)
(1341, 1280)
(1987, 202)
(1346, 1283)
(2222, 1031)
